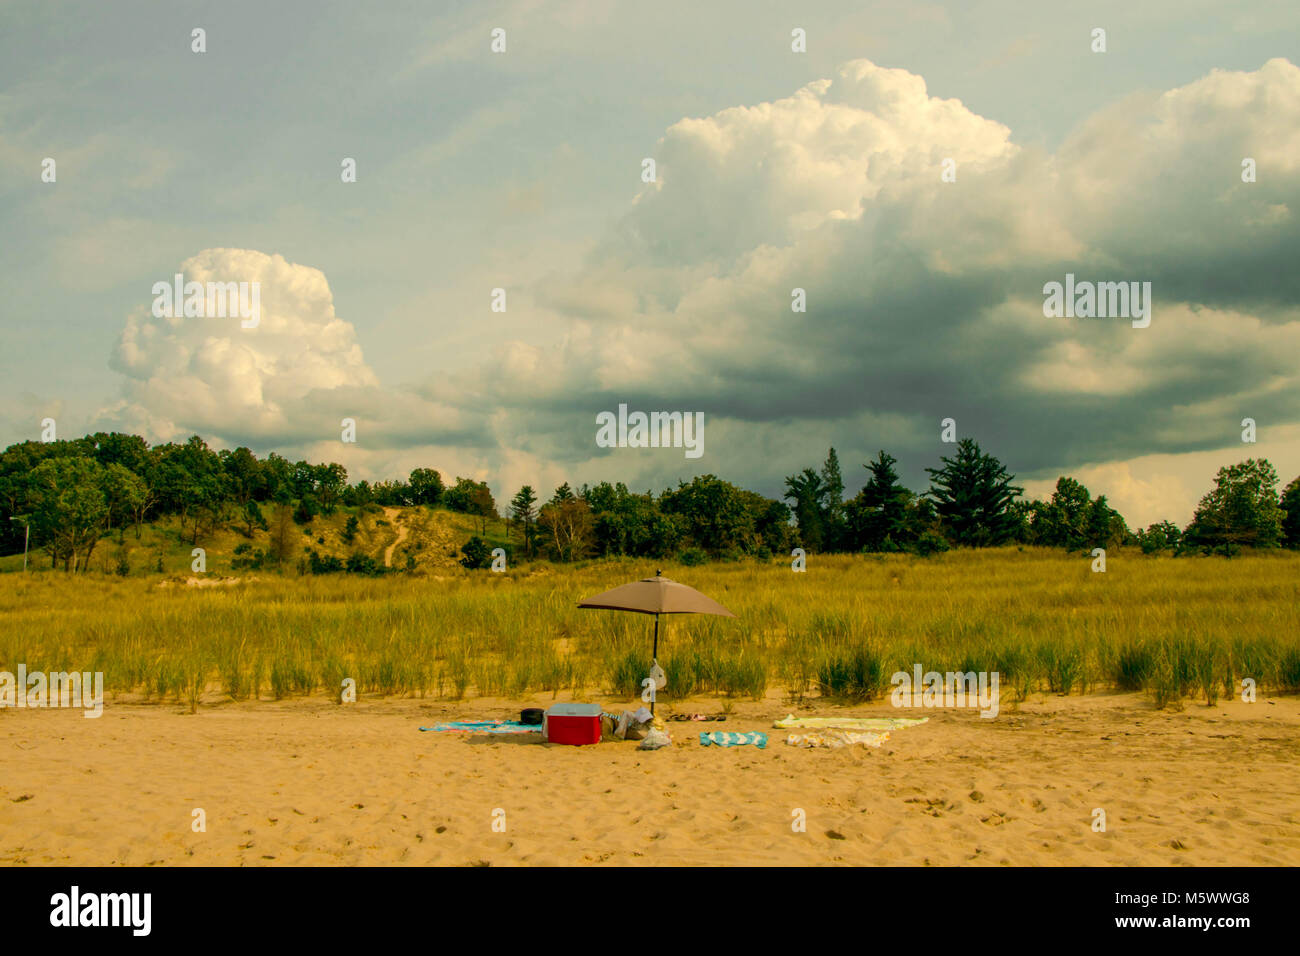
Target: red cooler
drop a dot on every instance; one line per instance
(572, 723)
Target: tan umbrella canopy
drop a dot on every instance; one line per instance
(656, 595)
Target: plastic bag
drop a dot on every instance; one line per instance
(655, 739)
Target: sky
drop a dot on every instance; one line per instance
(824, 170)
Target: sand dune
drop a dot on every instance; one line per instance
(307, 782)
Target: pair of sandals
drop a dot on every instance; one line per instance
(698, 717)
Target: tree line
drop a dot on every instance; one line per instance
(973, 502)
(71, 494)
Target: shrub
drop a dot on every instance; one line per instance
(477, 554)
(857, 671)
(1288, 670)
(307, 510)
(1133, 665)
(358, 563)
(692, 557)
(326, 565)
(247, 557)
(930, 543)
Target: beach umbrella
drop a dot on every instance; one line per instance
(656, 595)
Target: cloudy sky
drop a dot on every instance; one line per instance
(775, 170)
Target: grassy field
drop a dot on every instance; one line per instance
(1179, 629)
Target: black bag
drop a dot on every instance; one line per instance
(531, 715)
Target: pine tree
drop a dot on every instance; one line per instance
(880, 511)
(253, 519)
(973, 495)
(524, 513)
(832, 503)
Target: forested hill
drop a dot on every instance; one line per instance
(109, 492)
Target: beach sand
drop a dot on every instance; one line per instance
(309, 782)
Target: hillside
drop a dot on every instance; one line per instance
(417, 539)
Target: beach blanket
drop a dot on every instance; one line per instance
(485, 727)
(723, 738)
(850, 723)
(837, 738)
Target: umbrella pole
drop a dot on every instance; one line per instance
(655, 655)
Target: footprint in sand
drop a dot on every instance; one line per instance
(935, 806)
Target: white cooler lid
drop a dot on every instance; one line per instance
(573, 709)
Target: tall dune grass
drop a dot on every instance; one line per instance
(1175, 628)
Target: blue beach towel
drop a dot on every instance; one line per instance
(485, 727)
(722, 738)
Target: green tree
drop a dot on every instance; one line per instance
(114, 448)
(629, 523)
(1291, 521)
(714, 514)
(831, 503)
(192, 484)
(523, 511)
(283, 535)
(244, 475)
(472, 498)
(358, 495)
(1242, 510)
(1163, 536)
(566, 525)
(805, 493)
(127, 495)
(395, 494)
(1105, 528)
(303, 479)
(1064, 521)
(330, 480)
(771, 521)
(253, 519)
(69, 509)
(973, 496)
(426, 486)
(277, 479)
(880, 512)
(483, 505)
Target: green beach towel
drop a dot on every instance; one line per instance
(722, 738)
